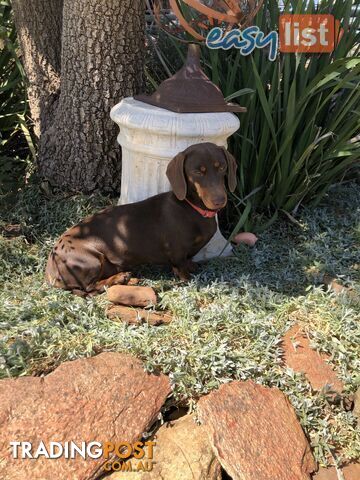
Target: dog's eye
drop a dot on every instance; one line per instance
(222, 168)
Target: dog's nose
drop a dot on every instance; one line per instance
(219, 202)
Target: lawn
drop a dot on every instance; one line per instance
(228, 321)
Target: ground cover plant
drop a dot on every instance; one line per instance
(228, 321)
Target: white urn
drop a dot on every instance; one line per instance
(150, 137)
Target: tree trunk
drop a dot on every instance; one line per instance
(39, 24)
(101, 62)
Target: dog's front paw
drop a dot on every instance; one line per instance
(182, 273)
(122, 278)
(193, 267)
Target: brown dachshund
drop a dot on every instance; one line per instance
(169, 228)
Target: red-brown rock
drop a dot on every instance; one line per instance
(356, 410)
(105, 398)
(350, 472)
(336, 287)
(302, 358)
(137, 316)
(132, 295)
(182, 452)
(255, 433)
(246, 237)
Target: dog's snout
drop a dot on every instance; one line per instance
(220, 201)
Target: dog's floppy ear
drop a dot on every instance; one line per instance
(232, 167)
(176, 176)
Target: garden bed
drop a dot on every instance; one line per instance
(228, 321)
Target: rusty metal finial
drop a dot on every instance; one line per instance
(190, 90)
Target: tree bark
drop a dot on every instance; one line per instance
(98, 58)
(39, 25)
(102, 62)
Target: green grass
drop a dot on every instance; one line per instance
(228, 321)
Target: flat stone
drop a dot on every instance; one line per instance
(356, 410)
(302, 358)
(331, 282)
(336, 287)
(131, 295)
(137, 316)
(182, 452)
(255, 433)
(246, 237)
(350, 472)
(104, 398)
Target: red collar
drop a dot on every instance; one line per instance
(203, 213)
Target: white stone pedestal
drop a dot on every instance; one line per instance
(151, 136)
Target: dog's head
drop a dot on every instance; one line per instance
(198, 173)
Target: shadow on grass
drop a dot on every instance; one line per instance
(287, 258)
(42, 217)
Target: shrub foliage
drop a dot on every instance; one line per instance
(15, 140)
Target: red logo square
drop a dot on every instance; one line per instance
(307, 33)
